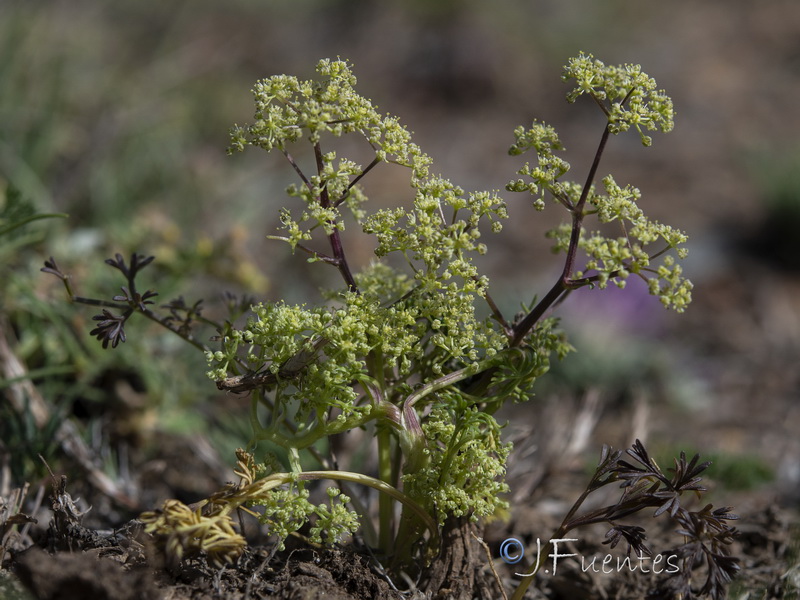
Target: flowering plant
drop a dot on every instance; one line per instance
(412, 347)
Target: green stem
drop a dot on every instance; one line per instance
(376, 389)
(261, 487)
(294, 460)
(386, 489)
(25, 221)
(315, 433)
(447, 380)
(385, 511)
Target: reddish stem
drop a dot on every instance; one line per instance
(564, 282)
(335, 239)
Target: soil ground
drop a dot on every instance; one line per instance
(70, 561)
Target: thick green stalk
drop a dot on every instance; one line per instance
(385, 505)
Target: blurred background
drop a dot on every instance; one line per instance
(118, 113)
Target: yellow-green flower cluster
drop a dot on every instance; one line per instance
(285, 510)
(629, 97)
(288, 109)
(543, 139)
(334, 521)
(466, 462)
